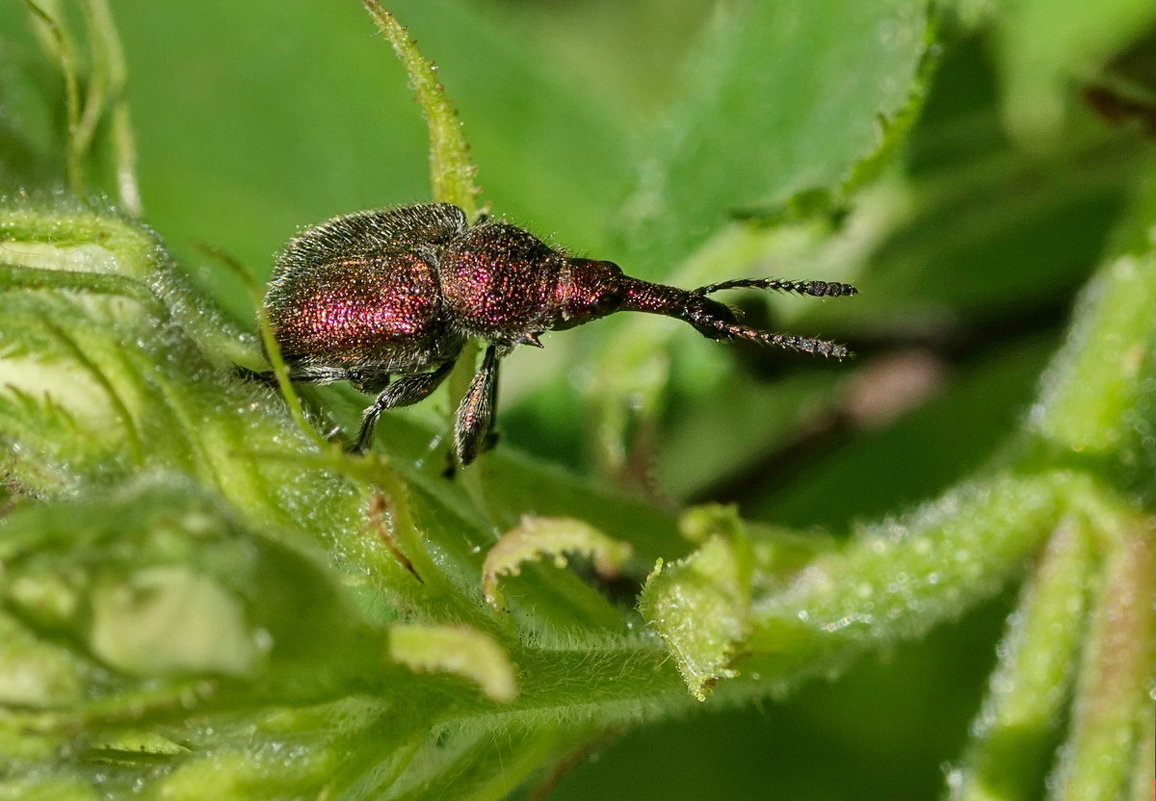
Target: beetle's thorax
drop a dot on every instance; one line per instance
(498, 282)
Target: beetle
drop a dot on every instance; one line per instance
(387, 298)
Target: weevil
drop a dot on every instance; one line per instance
(386, 299)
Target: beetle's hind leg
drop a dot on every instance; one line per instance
(305, 372)
(407, 390)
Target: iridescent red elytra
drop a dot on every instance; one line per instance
(386, 299)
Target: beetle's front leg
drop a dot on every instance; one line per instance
(475, 417)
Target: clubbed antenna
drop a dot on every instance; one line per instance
(813, 345)
(716, 321)
(817, 289)
(820, 289)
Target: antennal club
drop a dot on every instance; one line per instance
(816, 289)
(731, 329)
(714, 320)
(812, 345)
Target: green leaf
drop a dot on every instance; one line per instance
(1105, 756)
(1044, 46)
(790, 131)
(789, 127)
(198, 598)
(1093, 396)
(700, 605)
(159, 582)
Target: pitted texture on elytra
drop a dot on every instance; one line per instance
(362, 292)
(375, 307)
(392, 295)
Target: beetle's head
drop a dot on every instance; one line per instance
(587, 290)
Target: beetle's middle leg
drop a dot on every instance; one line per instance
(404, 391)
(474, 423)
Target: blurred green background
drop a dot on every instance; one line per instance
(254, 119)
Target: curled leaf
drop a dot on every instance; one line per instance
(700, 605)
(550, 536)
(462, 650)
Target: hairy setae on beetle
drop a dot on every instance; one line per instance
(386, 299)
